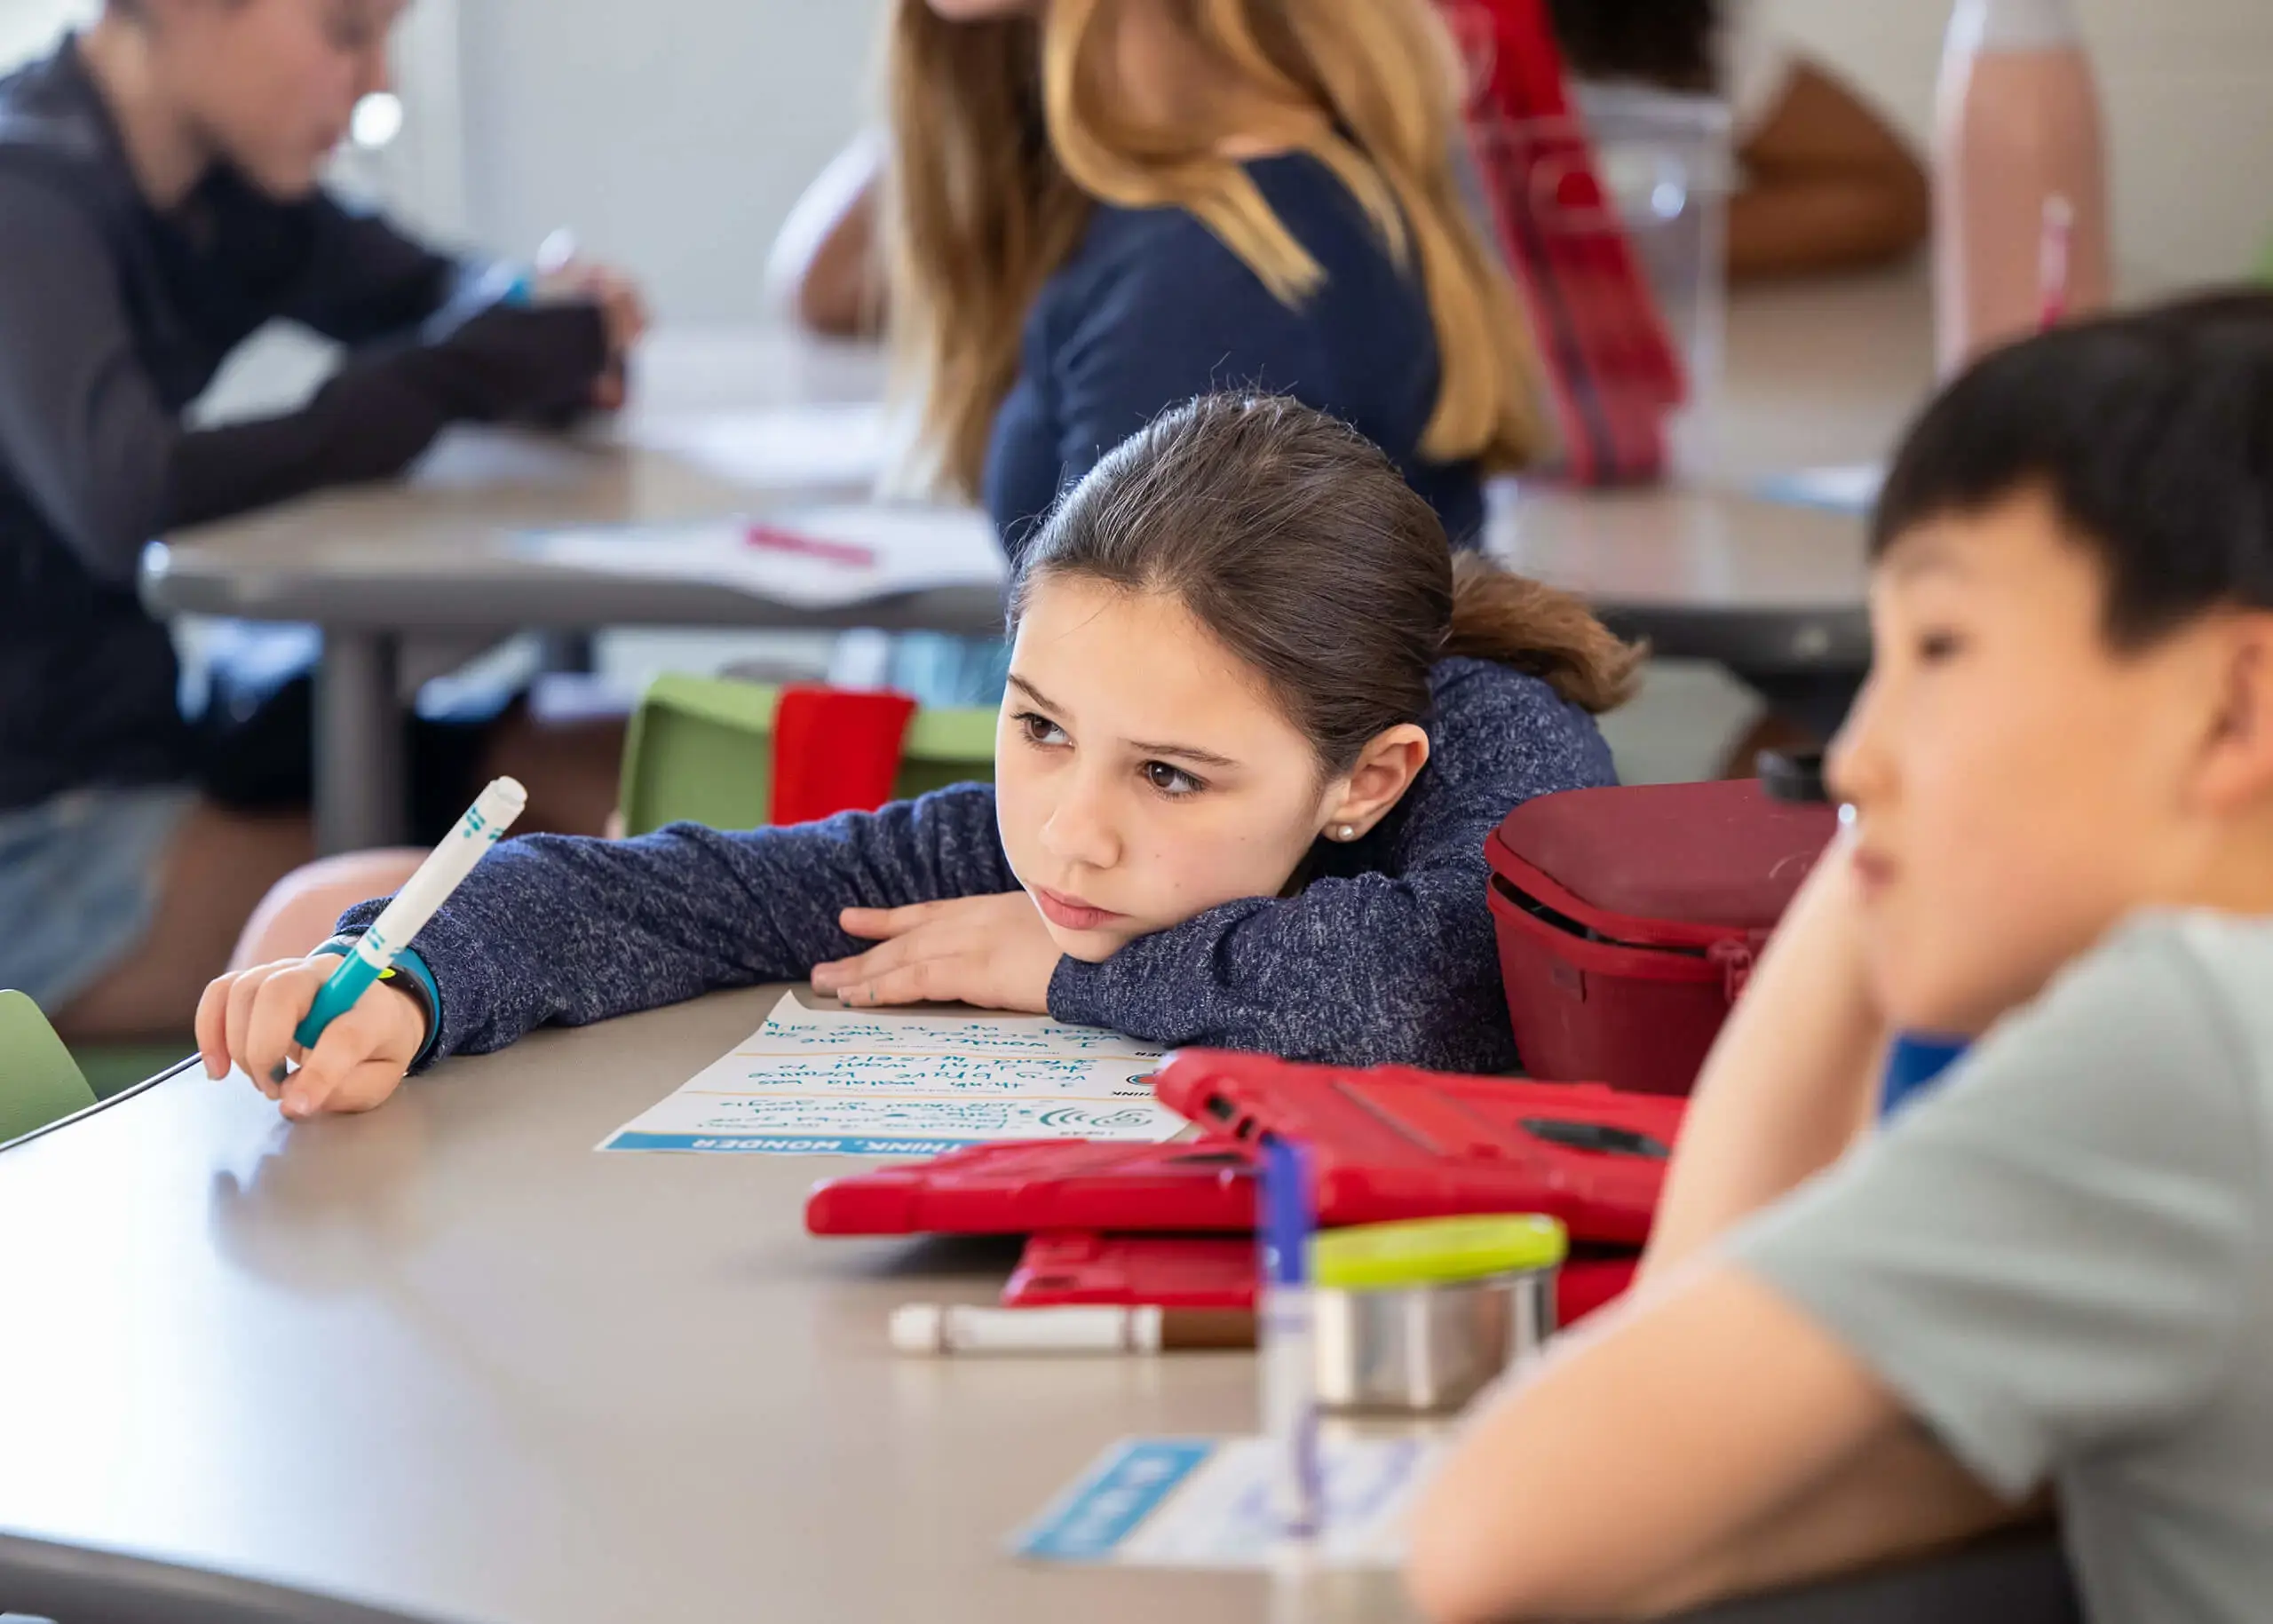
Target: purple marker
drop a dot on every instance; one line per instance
(1289, 1359)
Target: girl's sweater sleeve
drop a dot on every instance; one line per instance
(556, 930)
(1397, 966)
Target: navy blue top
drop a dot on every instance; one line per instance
(1385, 954)
(1152, 309)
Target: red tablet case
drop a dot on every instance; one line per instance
(1219, 1272)
(1077, 1267)
(1592, 1281)
(1387, 1144)
(1394, 1143)
(1026, 1187)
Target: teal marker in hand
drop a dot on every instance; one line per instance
(487, 819)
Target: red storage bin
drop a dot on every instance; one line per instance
(1628, 919)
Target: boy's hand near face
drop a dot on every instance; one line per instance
(247, 1019)
(994, 952)
(1793, 1080)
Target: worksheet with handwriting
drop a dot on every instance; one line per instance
(870, 1083)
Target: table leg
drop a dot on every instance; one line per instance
(574, 652)
(362, 791)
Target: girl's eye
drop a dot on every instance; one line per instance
(1040, 729)
(1172, 781)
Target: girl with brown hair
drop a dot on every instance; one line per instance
(1258, 726)
(1092, 210)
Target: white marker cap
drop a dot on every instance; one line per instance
(919, 1328)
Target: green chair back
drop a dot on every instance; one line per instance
(39, 1082)
(946, 747)
(701, 749)
(113, 1068)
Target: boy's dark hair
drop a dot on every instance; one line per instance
(2152, 433)
(1297, 543)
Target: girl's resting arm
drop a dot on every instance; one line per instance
(1379, 968)
(552, 929)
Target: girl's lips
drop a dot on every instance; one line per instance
(1070, 912)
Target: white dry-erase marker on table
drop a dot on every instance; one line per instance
(932, 1327)
(491, 814)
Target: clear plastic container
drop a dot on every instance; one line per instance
(1666, 168)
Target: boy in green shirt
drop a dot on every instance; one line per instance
(2054, 1273)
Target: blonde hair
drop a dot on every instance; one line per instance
(1003, 132)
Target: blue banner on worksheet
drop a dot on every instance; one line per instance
(791, 1144)
(1109, 1505)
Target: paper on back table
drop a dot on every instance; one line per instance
(877, 1083)
(779, 448)
(914, 547)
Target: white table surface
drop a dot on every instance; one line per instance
(448, 1359)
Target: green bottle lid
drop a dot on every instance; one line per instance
(1435, 1251)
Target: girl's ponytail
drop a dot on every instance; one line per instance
(1518, 622)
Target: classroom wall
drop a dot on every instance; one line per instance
(30, 26)
(672, 135)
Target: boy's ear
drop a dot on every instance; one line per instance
(2238, 766)
(1385, 770)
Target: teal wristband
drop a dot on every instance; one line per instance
(338, 995)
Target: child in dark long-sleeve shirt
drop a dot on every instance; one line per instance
(1258, 729)
(160, 203)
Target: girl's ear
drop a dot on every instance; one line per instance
(1385, 770)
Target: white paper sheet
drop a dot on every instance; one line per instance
(1207, 1503)
(909, 547)
(779, 448)
(862, 1083)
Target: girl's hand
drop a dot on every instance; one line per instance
(994, 951)
(247, 1019)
